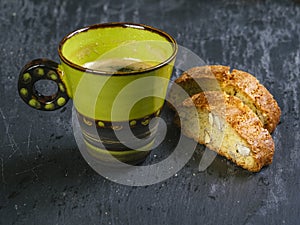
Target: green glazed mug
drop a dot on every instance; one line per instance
(117, 76)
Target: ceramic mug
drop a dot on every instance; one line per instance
(97, 63)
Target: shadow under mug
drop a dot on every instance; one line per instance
(117, 75)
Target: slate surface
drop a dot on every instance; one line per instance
(45, 180)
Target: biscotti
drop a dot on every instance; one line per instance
(235, 83)
(228, 126)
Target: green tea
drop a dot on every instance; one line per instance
(124, 65)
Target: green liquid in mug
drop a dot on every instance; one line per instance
(124, 65)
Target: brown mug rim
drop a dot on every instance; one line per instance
(117, 24)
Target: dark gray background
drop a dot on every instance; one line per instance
(45, 180)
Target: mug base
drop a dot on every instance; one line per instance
(118, 158)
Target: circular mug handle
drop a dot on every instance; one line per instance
(42, 69)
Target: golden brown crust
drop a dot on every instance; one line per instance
(243, 120)
(259, 95)
(237, 83)
(206, 77)
(218, 72)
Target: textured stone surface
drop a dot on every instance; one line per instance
(44, 179)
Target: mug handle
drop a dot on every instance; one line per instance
(42, 69)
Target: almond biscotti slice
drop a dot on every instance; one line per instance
(236, 83)
(227, 126)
